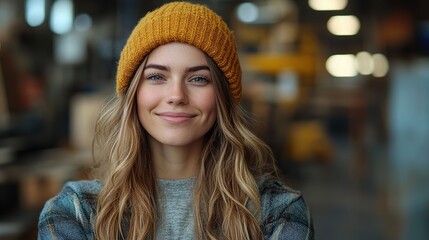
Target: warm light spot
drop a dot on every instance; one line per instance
(343, 25)
(327, 5)
(381, 65)
(341, 65)
(364, 63)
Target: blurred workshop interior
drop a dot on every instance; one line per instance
(338, 88)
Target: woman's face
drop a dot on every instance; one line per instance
(176, 95)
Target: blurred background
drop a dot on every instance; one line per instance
(339, 89)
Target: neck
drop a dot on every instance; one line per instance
(175, 162)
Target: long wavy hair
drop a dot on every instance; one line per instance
(226, 195)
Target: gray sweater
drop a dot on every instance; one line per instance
(176, 218)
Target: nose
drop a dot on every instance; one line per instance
(178, 94)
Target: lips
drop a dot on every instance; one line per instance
(176, 117)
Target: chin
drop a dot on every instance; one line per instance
(177, 141)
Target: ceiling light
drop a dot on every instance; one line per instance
(327, 5)
(381, 65)
(61, 20)
(364, 63)
(343, 25)
(35, 12)
(247, 12)
(341, 65)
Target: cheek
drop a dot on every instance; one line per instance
(208, 103)
(146, 100)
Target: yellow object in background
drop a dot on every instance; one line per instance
(308, 141)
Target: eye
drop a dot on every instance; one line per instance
(154, 77)
(199, 80)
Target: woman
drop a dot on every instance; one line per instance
(179, 162)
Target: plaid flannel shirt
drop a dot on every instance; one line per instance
(71, 214)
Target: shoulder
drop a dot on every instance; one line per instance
(284, 212)
(74, 206)
(84, 192)
(271, 187)
(83, 188)
(276, 197)
(81, 195)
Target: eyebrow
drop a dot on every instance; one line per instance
(165, 68)
(197, 68)
(156, 66)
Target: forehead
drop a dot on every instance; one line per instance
(177, 54)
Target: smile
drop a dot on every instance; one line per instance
(176, 118)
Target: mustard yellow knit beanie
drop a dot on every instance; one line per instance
(183, 22)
